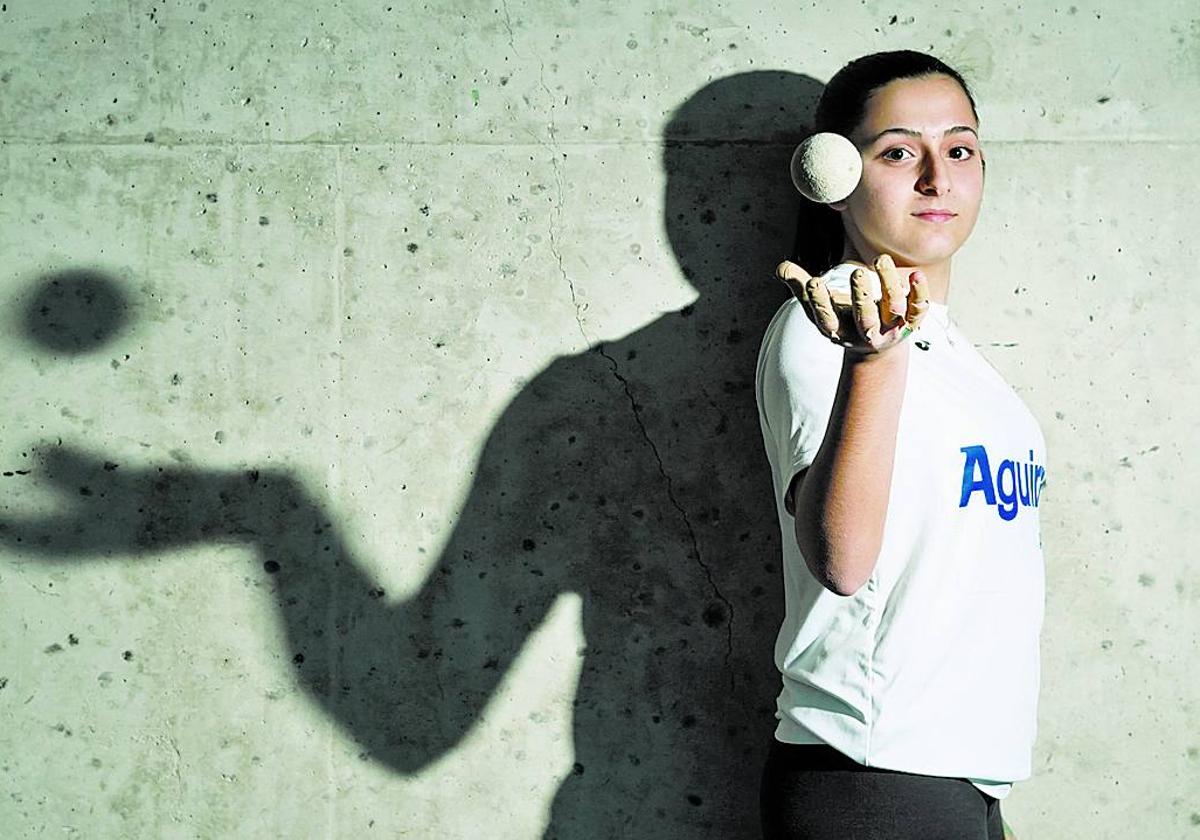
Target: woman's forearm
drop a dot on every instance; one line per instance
(842, 501)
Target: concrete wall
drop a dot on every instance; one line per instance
(379, 446)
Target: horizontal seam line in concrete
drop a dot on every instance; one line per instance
(20, 141)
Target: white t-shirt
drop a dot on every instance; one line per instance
(933, 666)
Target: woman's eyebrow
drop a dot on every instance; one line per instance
(908, 132)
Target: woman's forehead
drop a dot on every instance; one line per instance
(929, 105)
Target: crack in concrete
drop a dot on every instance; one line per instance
(552, 146)
(508, 26)
(695, 553)
(178, 760)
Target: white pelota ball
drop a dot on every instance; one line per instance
(837, 283)
(826, 167)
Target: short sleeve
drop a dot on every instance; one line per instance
(795, 384)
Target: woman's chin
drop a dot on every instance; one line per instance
(926, 250)
(925, 253)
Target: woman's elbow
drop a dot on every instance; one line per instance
(843, 576)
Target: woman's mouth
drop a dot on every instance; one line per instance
(935, 217)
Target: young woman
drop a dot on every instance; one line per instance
(907, 477)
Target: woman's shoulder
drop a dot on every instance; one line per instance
(795, 352)
(791, 332)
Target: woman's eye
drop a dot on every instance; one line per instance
(967, 149)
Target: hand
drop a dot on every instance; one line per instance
(859, 324)
(106, 508)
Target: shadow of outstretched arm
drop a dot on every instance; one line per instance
(405, 680)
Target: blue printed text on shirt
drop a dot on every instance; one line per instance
(1013, 485)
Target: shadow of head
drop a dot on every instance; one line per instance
(730, 207)
(73, 312)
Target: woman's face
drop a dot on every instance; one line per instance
(905, 174)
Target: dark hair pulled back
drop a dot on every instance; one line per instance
(820, 237)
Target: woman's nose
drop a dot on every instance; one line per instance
(935, 177)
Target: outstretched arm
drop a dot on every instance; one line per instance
(406, 680)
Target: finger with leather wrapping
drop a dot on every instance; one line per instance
(918, 303)
(892, 301)
(866, 313)
(826, 315)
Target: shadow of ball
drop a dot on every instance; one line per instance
(75, 311)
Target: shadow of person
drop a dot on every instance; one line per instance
(632, 474)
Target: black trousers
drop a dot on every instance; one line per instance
(814, 792)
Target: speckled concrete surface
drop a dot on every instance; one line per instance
(379, 447)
